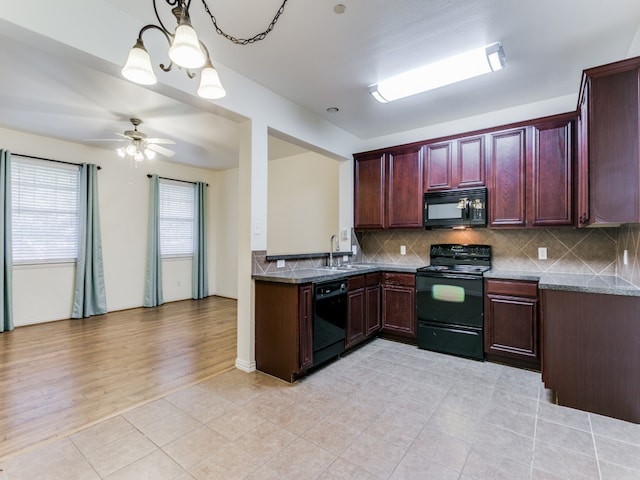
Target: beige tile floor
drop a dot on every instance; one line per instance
(385, 411)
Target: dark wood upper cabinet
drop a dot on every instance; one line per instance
(438, 166)
(388, 188)
(470, 164)
(550, 198)
(582, 159)
(370, 191)
(457, 163)
(609, 103)
(404, 193)
(507, 174)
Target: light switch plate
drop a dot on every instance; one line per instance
(280, 263)
(542, 253)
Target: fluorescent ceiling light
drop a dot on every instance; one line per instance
(450, 70)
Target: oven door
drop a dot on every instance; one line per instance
(449, 310)
(450, 299)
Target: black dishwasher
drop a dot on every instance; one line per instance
(329, 320)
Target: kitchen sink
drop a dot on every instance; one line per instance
(345, 267)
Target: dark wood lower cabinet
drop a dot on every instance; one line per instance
(398, 305)
(284, 329)
(511, 318)
(591, 352)
(363, 318)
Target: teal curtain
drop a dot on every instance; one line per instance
(89, 297)
(153, 276)
(6, 251)
(199, 280)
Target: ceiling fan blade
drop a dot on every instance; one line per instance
(103, 140)
(123, 135)
(161, 150)
(161, 141)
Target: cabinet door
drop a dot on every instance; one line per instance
(470, 163)
(404, 192)
(305, 341)
(551, 179)
(582, 181)
(511, 326)
(438, 167)
(507, 166)
(398, 310)
(372, 306)
(369, 190)
(614, 165)
(355, 317)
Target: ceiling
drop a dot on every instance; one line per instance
(317, 59)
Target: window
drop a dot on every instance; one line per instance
(177, 218)
(45, 211)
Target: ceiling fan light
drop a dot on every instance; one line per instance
(138, 67)
(185, 49)
(138, 156)
(121, 152)
(131, 149)
(150, 154)
(210, 85)
(444, 72)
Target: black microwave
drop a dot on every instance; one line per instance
(456, 208)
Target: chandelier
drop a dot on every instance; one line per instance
(185, 50)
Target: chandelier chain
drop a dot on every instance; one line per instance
(245, 41)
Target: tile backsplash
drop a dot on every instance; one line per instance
(585, 251)
(569, 250)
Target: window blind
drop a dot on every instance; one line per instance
(177, 218)
(45, 211)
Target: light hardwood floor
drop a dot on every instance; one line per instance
(59, 377)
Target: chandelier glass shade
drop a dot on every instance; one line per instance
(185, 50)
(138, 150)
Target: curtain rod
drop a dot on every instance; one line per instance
(174, 179)
(47, 159)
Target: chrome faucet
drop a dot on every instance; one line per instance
(334, 241)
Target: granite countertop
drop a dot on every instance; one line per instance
(605, 284)
(323, 274)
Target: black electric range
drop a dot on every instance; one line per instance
(450, 300)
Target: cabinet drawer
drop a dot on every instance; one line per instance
(371, 279)
(402, 279)
(356, 282)
(512, 287)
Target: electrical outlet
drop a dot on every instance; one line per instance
(354, 249)
(280, 263)
(345, 258)
(542, 253)
(625, 257)
(403, 250)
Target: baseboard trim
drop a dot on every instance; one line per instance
(245, 366)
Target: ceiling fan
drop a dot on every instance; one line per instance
(140, 145)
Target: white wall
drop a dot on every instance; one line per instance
(224, 228)
(302, 206)
(44, 293)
